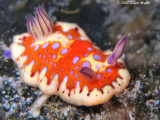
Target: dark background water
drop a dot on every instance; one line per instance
(105, 22)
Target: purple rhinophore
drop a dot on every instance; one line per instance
(7, 54)
(87, 73)
(118, 51)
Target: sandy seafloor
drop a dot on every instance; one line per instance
(105, 22)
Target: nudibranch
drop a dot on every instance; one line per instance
(60, 59)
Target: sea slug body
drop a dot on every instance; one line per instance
(59, 58)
